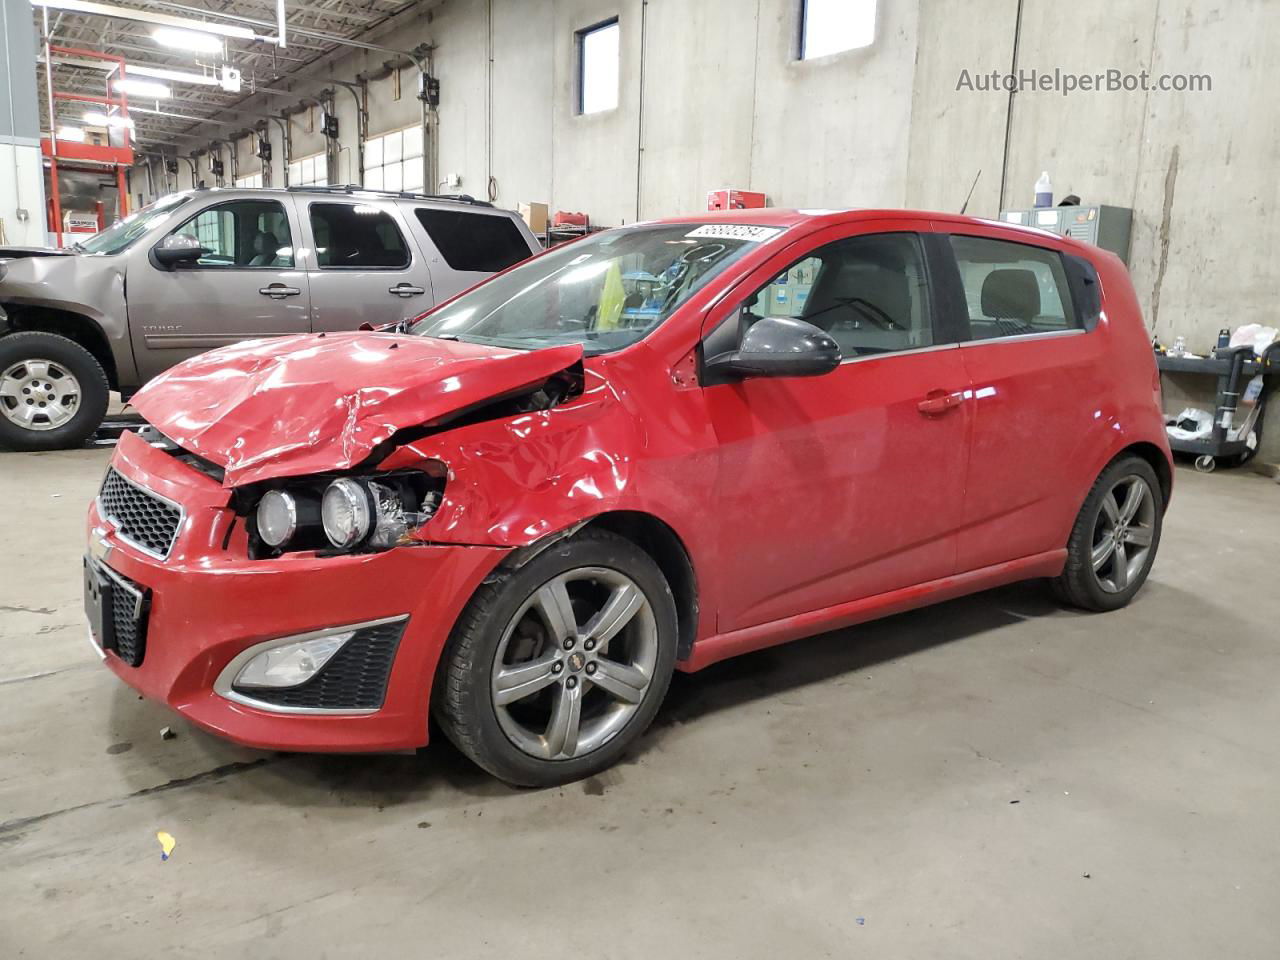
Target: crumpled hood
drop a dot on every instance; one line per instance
(307, 403)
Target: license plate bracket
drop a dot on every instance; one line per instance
(98, 604)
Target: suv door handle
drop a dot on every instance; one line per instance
(938, 402)
(405, 290)
(278, 291)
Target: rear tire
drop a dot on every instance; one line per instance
(554, 670)
(1115, 537)
(53, 392)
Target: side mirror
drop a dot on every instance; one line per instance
(178, 248)
(779, 347)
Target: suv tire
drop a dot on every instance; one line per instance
(53, 392)
(508, 674)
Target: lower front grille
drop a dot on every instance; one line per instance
(355, 678)
(129, 603)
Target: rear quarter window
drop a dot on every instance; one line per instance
(479, 242)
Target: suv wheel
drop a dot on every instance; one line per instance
(53, 392)
(1115, 537)
(554, 671)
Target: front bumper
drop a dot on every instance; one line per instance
(209, 603)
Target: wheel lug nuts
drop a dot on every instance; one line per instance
(571, 682)
(557, 667)
(591, 668)
(568, 643)
(589, 645)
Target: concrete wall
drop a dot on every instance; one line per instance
(712, 95)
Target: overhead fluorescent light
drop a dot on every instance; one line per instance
(191, 40)
(177, 76)
(97, 118)
(149, 89)
(152, 16)
(73, 134)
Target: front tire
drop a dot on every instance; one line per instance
(553, 671)
(53, 392)
(1114, 541)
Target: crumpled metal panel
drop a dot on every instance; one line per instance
(308, 403)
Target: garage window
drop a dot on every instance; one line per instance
(242, 233)
(356, 235)
(310, 171)
(598, 53)
(393, 161)
(833, 26)
(478, 242)
(253, 180)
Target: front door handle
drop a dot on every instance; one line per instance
(405, 290)
(278, 291)
(938, 402)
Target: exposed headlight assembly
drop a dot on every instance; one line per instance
(345, 513)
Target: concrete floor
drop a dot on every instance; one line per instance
(994, 777)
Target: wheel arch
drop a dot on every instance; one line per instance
(76, 327)
(656, 538)
(1156, 458)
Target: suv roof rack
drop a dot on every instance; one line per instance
(353, 188)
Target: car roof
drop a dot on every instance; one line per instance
(788, 218)
(356, 191)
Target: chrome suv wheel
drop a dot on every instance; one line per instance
(553, 671)
(53, 392)
(1115, 537)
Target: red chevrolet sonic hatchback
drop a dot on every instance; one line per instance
(655, 448)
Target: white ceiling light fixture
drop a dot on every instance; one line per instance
(148, 89)
(154, 17)
(96, 118)
(177, 76)
(192, 41)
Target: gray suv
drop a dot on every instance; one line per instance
(211, 267)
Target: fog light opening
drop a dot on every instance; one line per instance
(291, 664)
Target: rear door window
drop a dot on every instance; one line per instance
(1013, 289)
(474, 242)
(356, 236)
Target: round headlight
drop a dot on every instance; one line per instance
(345, 512)
(277, 517)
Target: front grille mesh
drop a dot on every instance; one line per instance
(130, 633)
(140, 517)
(355, 678)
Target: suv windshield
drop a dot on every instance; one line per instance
(605, 292)
(122, 233)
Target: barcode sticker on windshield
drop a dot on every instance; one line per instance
(735, 231)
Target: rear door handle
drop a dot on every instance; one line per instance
(405, 290)
(938, 402)
(278, 291)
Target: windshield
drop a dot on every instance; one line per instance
(122, 233)
(605, 292)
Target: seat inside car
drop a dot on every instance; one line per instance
(265, 246)
(1010, 302)
(864, 303)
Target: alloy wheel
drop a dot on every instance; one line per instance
(574, 663)
(1123, 533)
(39, 394)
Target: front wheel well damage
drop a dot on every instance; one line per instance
(75, 327)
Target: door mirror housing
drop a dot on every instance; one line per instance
(779, 347)
(179, 248)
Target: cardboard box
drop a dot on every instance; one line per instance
(735, 200)
(97, 136)
(535, 215)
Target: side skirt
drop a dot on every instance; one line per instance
(722, 646)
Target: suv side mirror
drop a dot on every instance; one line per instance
(178, 248)
(779, 347)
